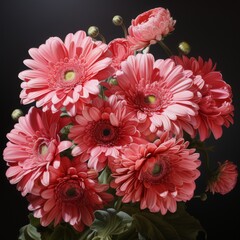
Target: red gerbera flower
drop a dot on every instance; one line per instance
(224, 178)
(102, 129)
(215, 106)
(156, 174)
(72, 195)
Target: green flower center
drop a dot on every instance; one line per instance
(43, 149)
(69, 75)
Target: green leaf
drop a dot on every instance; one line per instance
(110, 222)
(130, 234)
(186, 225)
(58, 233)
(105, 176)
(33, 233)
(64, 232)
(29, 232)
(21, 233)
(34, 221)
(172, 226)
(146, 228)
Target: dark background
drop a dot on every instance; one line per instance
(212, 29)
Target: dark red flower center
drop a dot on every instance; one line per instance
(69, 191)
(155, 170)
(104, 133)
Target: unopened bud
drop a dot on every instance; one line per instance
(93, 31)
(184, 47)
(117, 20)
(203, 197)
(16, 114)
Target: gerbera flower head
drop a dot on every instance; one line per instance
(65, 74)
(72, 195)
(224, 179)
(159, 93)
(156, 174)
(149, 27)
(120, 49)
(102, 129)
(215, 106)
(34, 144)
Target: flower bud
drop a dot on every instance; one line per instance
(203, 197)
(16, 114)
(93, 31)
(117, 20)
(184, 47)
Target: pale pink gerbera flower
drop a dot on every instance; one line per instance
(215, 106)
(102, 129)
(34, 144)
(149, 27)
(224, 179)
(65, 74)
(72, 196)
(159, 93)
(156, 174)
(120, 49)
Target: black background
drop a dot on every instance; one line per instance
(212, 29)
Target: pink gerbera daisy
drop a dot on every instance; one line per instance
(65, 74)
(224, 179)
(72, 195)
(215, 106)
(102, 129)
(121, 49)
(34, 144)
(159, 93)
(149, 27)
(156, 174)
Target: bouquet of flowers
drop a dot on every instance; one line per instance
(114, 142)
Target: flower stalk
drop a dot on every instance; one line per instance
(167, 50)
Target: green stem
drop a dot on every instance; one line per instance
(165, 48)
(103, 39)
(85, 234)
(118, 204)
(124, 29)
(207, 162)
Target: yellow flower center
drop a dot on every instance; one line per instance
(150, 99)
(69, 75)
